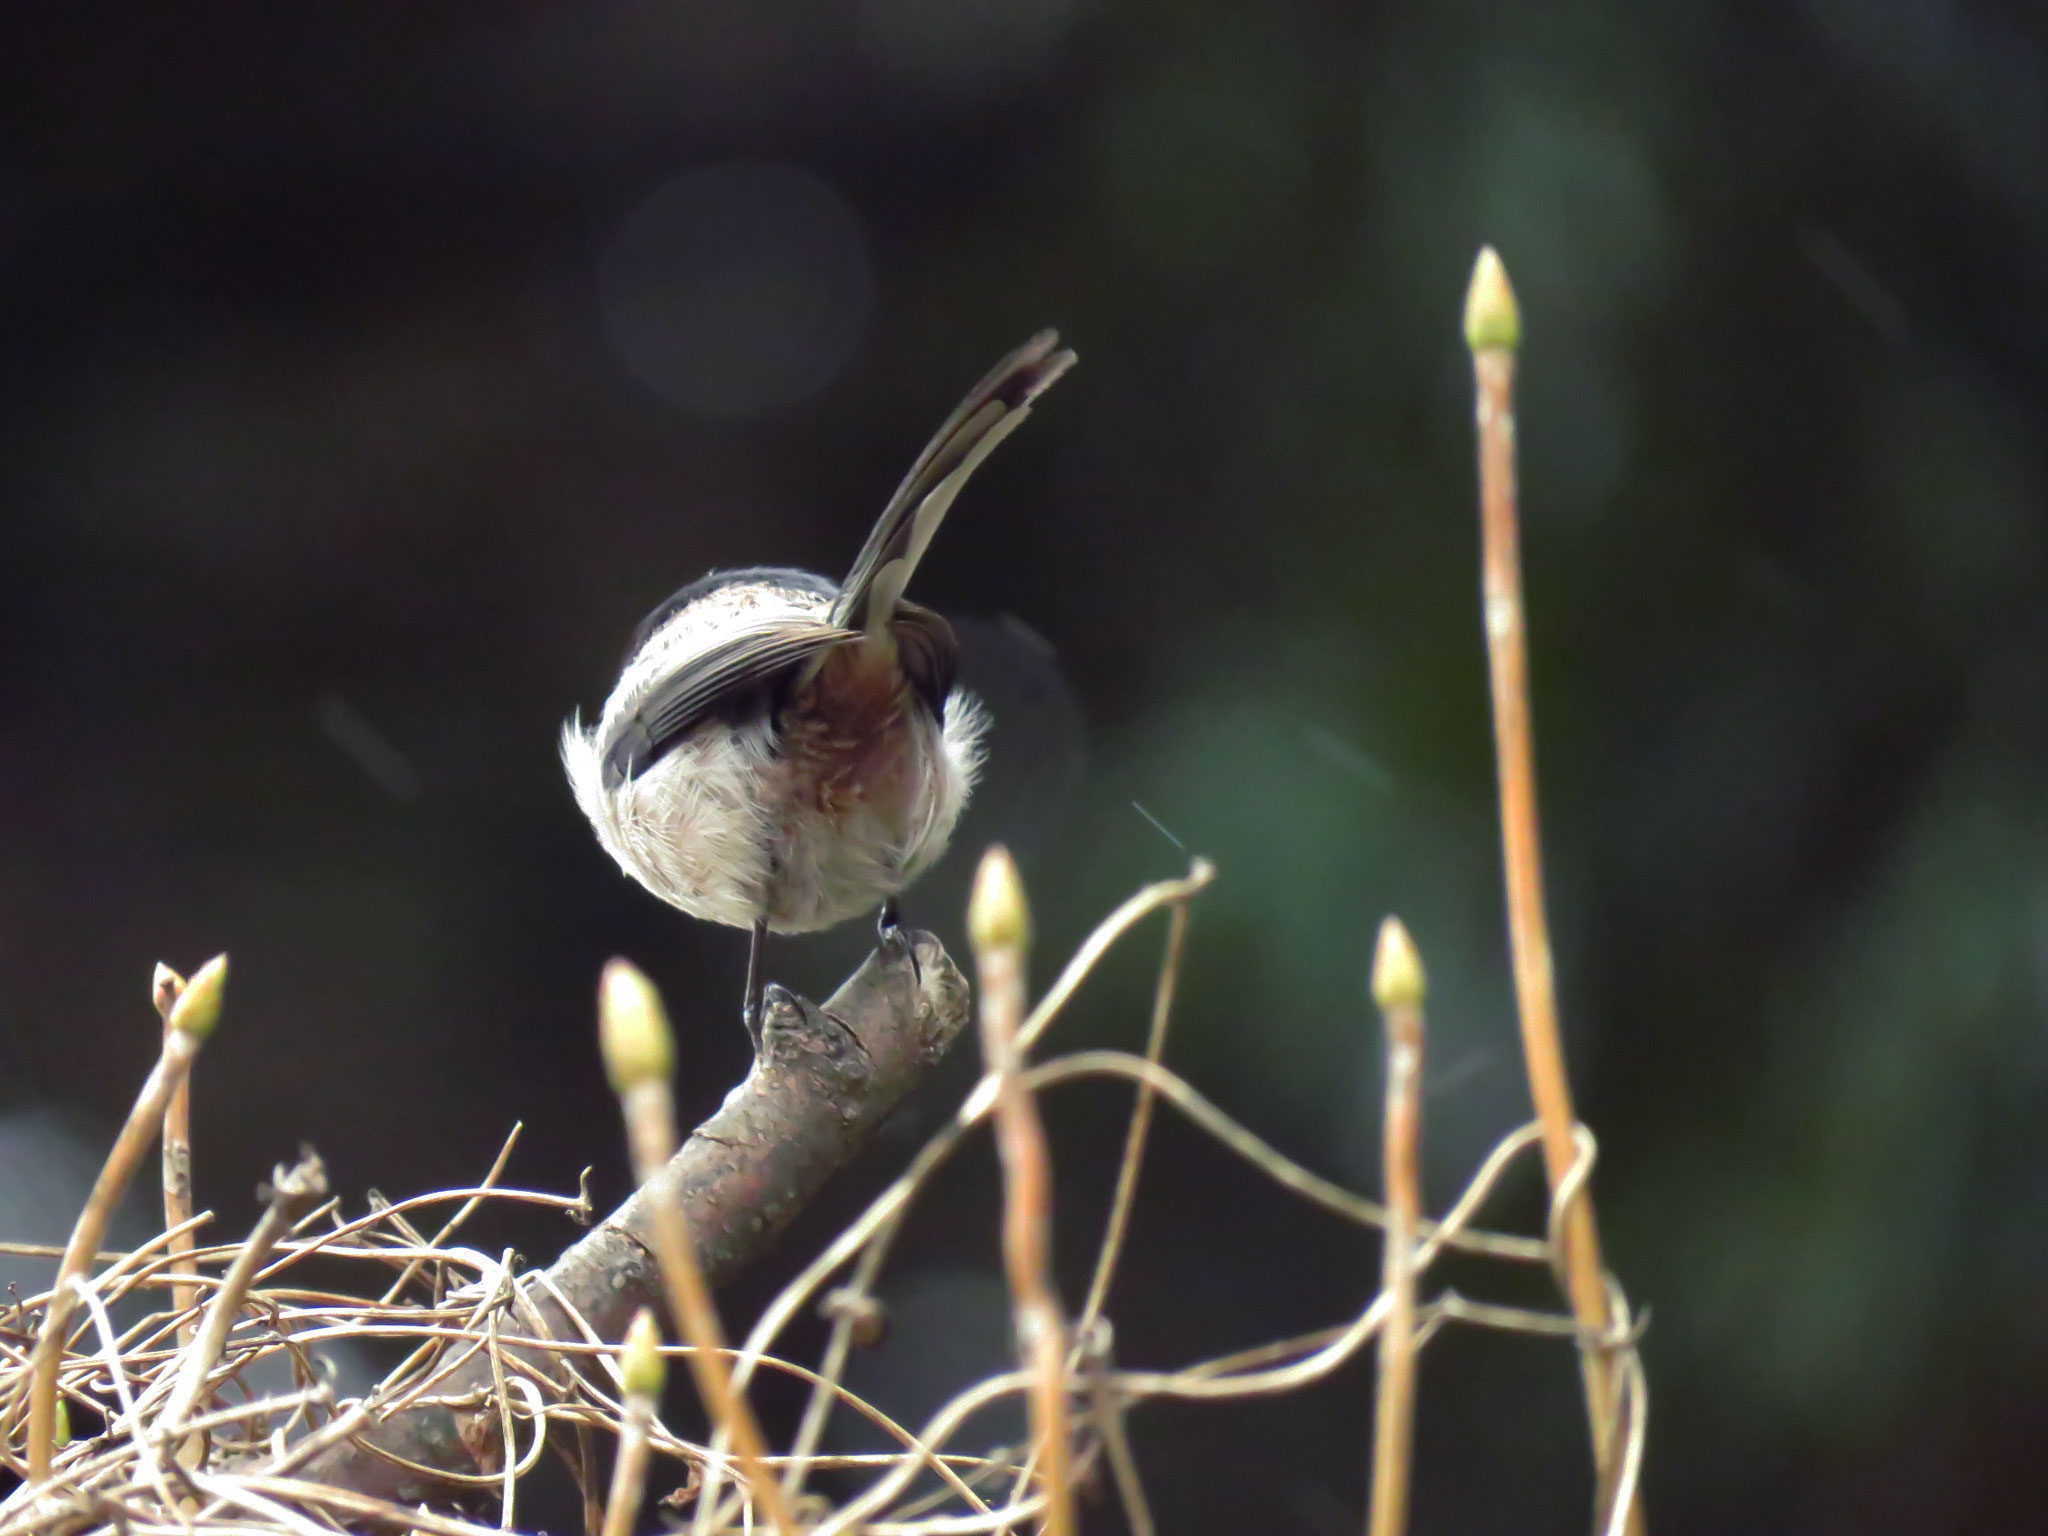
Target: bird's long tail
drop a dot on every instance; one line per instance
(993, 409)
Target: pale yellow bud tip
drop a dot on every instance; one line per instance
(997, 915)
(1397, 979)
(1492, 318)
(642, 1369)
(60, 1434)
(632, 1028)
(197, 1009)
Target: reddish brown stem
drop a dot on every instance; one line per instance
(650, 1124)
(1394, 1412)
(1521, 846)
(1001, 929)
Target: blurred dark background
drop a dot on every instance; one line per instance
(365, 373)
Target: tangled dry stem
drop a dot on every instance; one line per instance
(483, 1347)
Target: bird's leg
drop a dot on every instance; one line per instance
(750, 1009)
(889, 932)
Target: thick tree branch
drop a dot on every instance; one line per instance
(827, 1078)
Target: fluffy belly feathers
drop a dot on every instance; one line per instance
(809, 826)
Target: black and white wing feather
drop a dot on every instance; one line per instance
(729, 677)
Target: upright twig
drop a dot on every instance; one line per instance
(192, 1019)
(165, 988)
(639, 1056)
(1397, 987)
(643, 1374)
(999, 927)
(1493, 331)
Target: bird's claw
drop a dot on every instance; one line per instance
(894, 938)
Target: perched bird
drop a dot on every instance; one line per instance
(783, 754)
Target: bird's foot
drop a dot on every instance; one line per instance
(893, 937)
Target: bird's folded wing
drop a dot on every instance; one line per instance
(722, 678)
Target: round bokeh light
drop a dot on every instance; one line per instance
(737, 289)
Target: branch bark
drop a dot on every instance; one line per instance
(827, 1078)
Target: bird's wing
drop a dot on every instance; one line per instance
(993, 409)
(721, 677)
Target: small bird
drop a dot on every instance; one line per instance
(784, 754)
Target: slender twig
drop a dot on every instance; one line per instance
(1274, 1163)
(642, 1373)
(166, 987)
(584, 1467)
(1625, 1512)
(1141, 1116)
(639, 1056)
(1397, 986)
(288, 1194)
(857, 1318)
(364, 1507)
(1248, 1373)
(999, 925)
(193, 1017)
(508, 1484)
(1450, 1307)
(1107, 1411)
(1140, 903)
(1493, 332)
(467, 1209)
(856, 1514)
(110, 1349)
